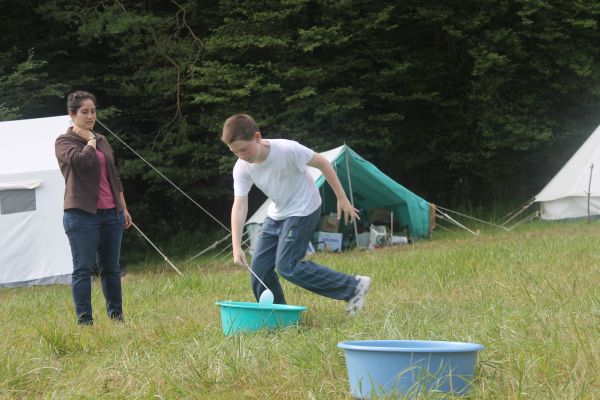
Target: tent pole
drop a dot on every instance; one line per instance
(473, 218)
(212, 246)
(516, 213)
(351, 197)
(589, 193)
(391, 229)
(156, 248)
(443, 215)
(529, 218)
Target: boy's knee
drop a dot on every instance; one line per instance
(285, 269)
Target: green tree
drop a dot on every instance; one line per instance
(463, 102)
(24, 89)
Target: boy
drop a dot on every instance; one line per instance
(278, 168)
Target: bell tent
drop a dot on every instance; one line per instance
(574, 192)
(33, 246)
(369, 189)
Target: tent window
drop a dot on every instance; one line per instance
(17, 201)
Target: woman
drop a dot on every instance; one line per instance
(95, 212)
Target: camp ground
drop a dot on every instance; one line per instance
(36, 251)
(495, 291)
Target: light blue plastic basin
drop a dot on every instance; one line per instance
(237, 316)
(409, 367)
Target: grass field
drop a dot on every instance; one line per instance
(531, 297)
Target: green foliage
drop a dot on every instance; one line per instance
(23, 90)
(464, 103)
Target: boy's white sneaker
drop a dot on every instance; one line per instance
(358, 300)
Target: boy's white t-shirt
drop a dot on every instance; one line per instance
(283, 177)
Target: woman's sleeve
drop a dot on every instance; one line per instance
(70, 153)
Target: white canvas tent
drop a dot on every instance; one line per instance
(33, 246)
(567, 194)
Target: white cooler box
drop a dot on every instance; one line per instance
(328, 241)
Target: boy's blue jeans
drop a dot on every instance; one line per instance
(281, 247)
(95, 238)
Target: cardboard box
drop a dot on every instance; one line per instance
(329, 241)
(362, 241)
(329, 223)
(380, 216)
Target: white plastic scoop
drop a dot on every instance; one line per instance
(266, 297)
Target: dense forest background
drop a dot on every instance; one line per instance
(467, 103)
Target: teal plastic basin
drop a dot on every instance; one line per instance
(239, 316)
(409, 367)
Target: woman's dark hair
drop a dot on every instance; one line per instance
(74, 100)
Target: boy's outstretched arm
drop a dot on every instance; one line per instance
(343, 204)
(239, 211)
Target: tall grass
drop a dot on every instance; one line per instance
(532, 297)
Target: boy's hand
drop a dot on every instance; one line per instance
(239, 258)
(344, 206)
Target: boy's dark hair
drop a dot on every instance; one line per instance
(74, 100)
(239, 127)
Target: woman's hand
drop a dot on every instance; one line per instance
(83, 133)
(128, 221)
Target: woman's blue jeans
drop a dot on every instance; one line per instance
(95, 238)
(281, 247)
